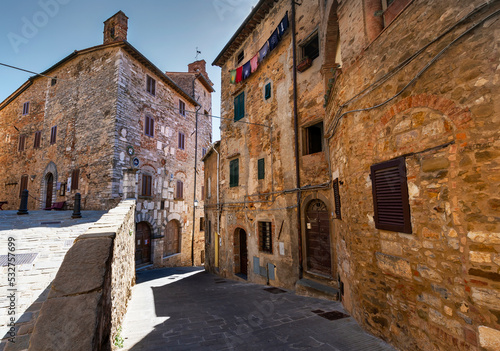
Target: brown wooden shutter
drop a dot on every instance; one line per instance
(53, 135)
(202, 193)
(146, 125)
(38, 136)
(24, 184)
(180, 190)
(75, 176)
(390, 196)
(336, 195)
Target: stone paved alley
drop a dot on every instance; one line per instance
(190, 309)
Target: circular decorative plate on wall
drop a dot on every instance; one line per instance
(130, 150)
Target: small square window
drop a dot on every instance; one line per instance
(53, 135)
(181, 141)
(241, 57)
(265, 237)
(310, 49)
(53, 81)
(261, 169)
(182, 108)
(150, 85)
(22, 143)
(267, 91)
(38, 137)
(149, 126)
(313, 136)
(234, 173)
(146, 185)
(26, 108)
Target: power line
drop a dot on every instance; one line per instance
(25, 70)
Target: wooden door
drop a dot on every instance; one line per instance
(172, 238)
(50, 188)
(142, 243)
(318, 238)
(243, 253)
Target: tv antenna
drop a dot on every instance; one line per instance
(197, 53)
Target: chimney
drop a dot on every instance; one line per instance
(198, 66)
(115, 28)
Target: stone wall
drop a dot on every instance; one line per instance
(439, 285)
(88, 298)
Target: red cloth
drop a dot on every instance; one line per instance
(239, 74)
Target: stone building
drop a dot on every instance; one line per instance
(401, 192)
(107, 123)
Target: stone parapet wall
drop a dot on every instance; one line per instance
(89, 296)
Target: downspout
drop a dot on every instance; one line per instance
(218, 208)
(296, 129)
(194, 196)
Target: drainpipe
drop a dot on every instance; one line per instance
(218, 210)
(194, 196)
(296, 129)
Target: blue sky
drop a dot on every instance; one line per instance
(35, 34)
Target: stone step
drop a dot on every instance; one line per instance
(307, 287)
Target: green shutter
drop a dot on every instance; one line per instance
(234, 173)
(267, 94)
(239, 107)
(261, 170)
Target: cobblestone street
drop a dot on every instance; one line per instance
(190, 309)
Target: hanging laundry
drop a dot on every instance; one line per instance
(247, 69)
(263, 52)
(233, 76)
(283, 26)
(254, 62)
(239, 73)
(274, 40)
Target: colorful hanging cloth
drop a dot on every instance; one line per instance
(254, 62)
(247, 69)
(263, 52)
(283, 26)
(274, 40)
(233, 76)
(239, 72)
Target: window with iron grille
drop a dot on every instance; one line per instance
(181, 141)
(261, 172)
(149, 126)
(147, 184)
(234, 173)
(390, 196)
(22, 143)
(53, 135)
(75, 176)
(26, 108)
(239, 107)
(182, 108)
(336, 195)
(240, 57)
(23, 185)
(150, 85)
(179, 191)
(38, 137)
(265, 237)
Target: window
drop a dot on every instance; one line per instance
(261, 169)
(26, 108)
(241, 57)
(267, 91)
(22, 142)
(209, 188)
(146, 185)
(38, 137)
(234, 173)
(202, 224)
(203, 152)
(182, 108)
(179, 191)
(53, 82)
(181, 141)
(149, 126)
(150, 85)
(162, 205)
(24, 184)
(75, 176)
(239, 107)
(265, 237)
(209, 234)
(313, 142)
(310, 48)
(202, 193)
(336, 195)
(53, 135)
(390, 196)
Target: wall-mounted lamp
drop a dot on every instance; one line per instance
(33, 177)
(195, 203)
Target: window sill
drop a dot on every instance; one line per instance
(304, 64)
(145, 197)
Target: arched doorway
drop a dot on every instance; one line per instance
(49, 185)
(172, 238)
(319, 258)
(240, 252)
(142, 243)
